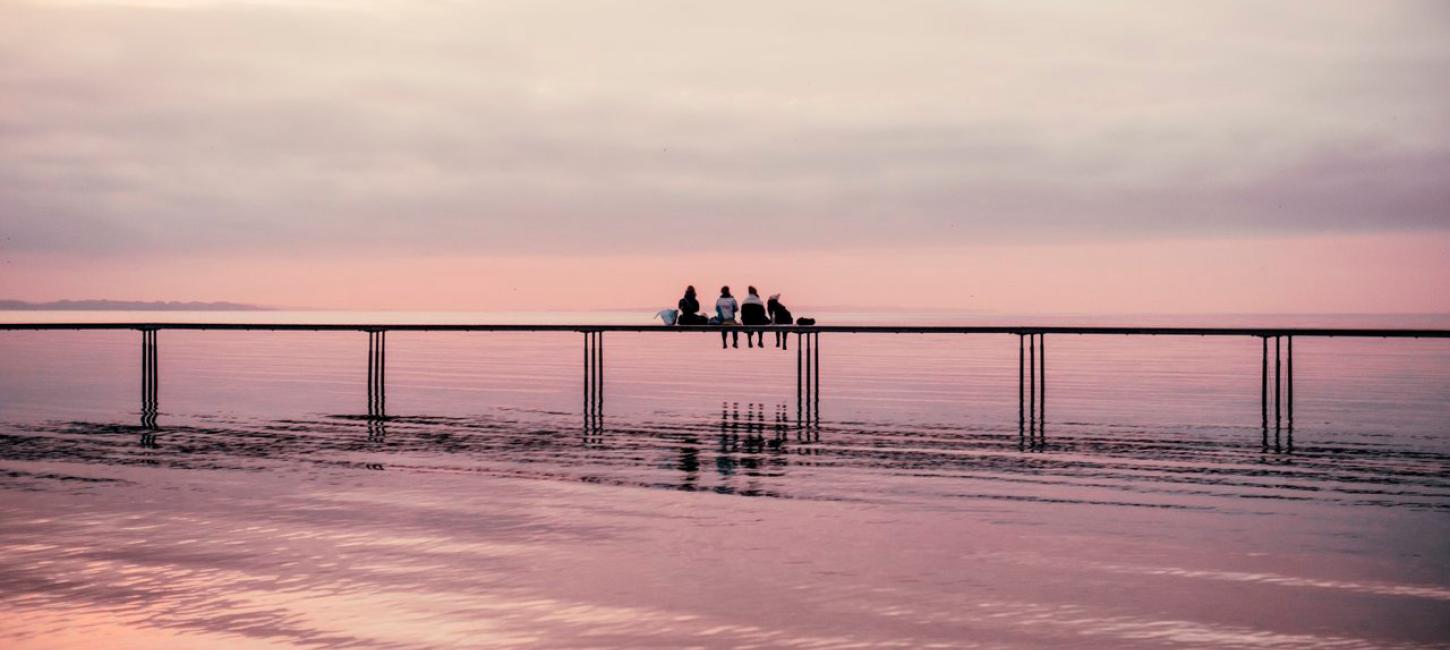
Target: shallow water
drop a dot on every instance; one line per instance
(268, 508)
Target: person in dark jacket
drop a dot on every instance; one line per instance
(690, 309)
(779, 315)
(753, 314)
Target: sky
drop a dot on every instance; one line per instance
(1034, 157)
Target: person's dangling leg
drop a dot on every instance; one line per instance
(722, 340)
(749, 339)
(735, 338)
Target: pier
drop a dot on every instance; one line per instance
(1276, 383)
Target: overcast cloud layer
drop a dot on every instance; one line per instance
(165, 127)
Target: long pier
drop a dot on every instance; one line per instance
(1031, 360)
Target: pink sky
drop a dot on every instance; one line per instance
(1336, 274)
(1055, 157)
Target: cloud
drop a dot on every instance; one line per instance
(558, 127)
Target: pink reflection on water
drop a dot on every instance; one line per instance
(268, 511)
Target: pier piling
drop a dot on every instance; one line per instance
(1031, 401)
(1021, 392)
(377, 376)
(150, 380)
(799, 384)
(1032, 387)
(593, 382)
(1283, 378)
(1042, 391)
(816, 350)
(808, 379)
(810, 385)
(1278, 384)
(1290, 434)
(1264, 392)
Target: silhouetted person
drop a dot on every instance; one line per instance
(725, 309)
(779, 315)
(690, 309)
(752, 313)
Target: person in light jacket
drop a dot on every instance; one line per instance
(725, 309)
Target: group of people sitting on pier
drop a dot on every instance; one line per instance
(751, 312)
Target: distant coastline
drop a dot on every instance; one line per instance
(126, 305)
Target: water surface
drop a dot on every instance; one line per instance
(266, 507)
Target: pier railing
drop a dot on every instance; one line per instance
(1031, 359)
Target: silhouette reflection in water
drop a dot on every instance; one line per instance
(747, 437)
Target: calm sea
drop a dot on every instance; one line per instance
(266, 508)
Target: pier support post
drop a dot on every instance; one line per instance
(808, 379)
(1042, 390)
(816, 375)
(593, 382)
(1264, 393)
(1283, 392)
(150, 385)
(799, 383)
(1021, 390)
(1031, 390)
(1290, 377)
(377, 381)
(1278, 388)
(810, 393)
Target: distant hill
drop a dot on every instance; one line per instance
(125, 305)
